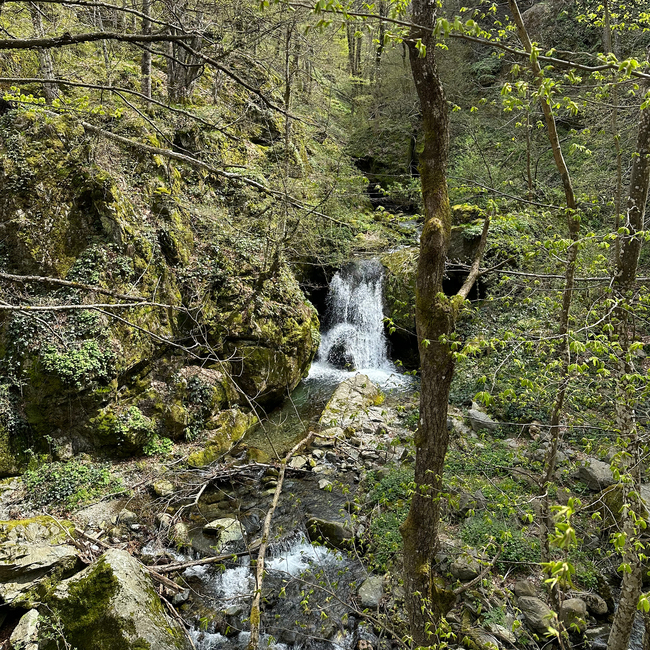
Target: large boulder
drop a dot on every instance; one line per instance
(350, 403)
(537, 613)
(226, 429)
(112, 604)
(596, 474)
(371, 592)
(573, 614)
(227, 530)
(32, 555)
(336, 534)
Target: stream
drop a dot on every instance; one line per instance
(307, 587)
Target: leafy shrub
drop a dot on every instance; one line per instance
(78, 365)
(158, 446)
(393, 492)
(66, 485)
(518, 550)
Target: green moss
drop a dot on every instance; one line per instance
(230, 427)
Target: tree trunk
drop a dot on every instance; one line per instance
(46, 67)
(145, 64)
(624, 281)
(435, 317)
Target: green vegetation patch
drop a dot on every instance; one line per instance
(70, 484)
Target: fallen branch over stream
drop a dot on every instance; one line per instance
(254, 641)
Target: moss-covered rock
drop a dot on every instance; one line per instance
(226, 428)
(33, 557)
(112, 604)
(223, 328)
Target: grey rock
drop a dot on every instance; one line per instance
(180, 534)
(234, 610)
(465, 568)
(502, 633)
(482, 639)
(131, 606)
(573, 614)
(298, 462)
(350, 402)
(371, 591)
(333, 533)
(525, 588)
(596, 474)
(324, 484)
(126, 517)
(536, 613)
(163, 488)
(180, 598)
(227, 529)
(480, 420)
(596, 605)
(25, 634)
(24, 565)
(600, 632)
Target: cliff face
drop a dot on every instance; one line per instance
(207, 327)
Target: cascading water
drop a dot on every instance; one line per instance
(354, 338)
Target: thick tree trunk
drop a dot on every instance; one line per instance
(435, 317)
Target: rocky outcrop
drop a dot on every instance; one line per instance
(222, 328)
(225, 429)
(350, 402)
(112, 604)
(32, 555)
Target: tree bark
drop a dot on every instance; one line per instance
(145, 64)
(45, 64)
(624, 281)
(435, 318)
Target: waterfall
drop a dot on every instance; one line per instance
(354, 339)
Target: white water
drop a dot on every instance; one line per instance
(355, 340)
(236, 586)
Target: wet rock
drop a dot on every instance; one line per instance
(465, 568)
(599, 633)
(332, 533)
(227, 529)
(536, 612)
(596, 474)
(25, 634)
(480, 420)
(573, 614)
(180, 598)
(371, 592)
(113, 604)
(525, 588)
